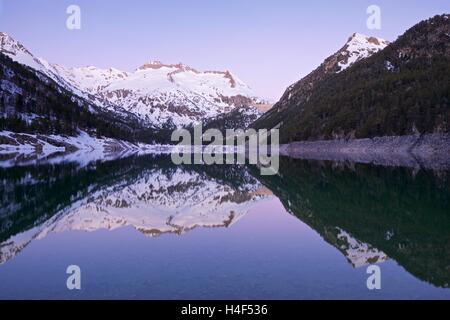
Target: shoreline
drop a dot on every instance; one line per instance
(24, 149)
(429, 151)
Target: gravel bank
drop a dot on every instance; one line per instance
(430, 151)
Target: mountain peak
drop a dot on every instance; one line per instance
(152, 64)
(4, 35)
(157, 64)
(10, 46)
(359, 38)
(358, 47)
(16, 51)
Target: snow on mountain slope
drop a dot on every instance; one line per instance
(359, 47)
(164, 94)
(160, 94)
(17, 52)
(90, 79)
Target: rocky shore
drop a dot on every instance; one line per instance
(430, 151)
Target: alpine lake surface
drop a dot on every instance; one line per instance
(141, 227)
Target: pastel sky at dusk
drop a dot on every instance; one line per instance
(267, 44)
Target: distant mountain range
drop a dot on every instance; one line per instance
(368, 88)
(164, 95)
(155, 97)
(372, 88)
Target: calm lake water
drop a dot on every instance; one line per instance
(143, 228)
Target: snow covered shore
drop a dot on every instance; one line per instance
(23, 148)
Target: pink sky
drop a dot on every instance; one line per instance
(267, 44)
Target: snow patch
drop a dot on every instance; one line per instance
(360, 47)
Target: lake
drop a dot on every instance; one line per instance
(143, 228)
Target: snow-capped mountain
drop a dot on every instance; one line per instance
(19, 53)
(357, 48)
(371, 88)
(164, 93)
(16, 51)
(160, 94)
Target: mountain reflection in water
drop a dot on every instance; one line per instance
(370, 214)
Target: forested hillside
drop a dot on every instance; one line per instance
(403, 89)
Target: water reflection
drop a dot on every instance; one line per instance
(146, 193)
(370, 214)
